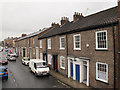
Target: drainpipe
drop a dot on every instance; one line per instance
(46, 49)
(114, 57)
(67, 51)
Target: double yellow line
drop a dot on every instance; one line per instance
(63, 84)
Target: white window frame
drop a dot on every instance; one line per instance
(41, 56)
(33, 41)
(49, 59)
(97, 41)
(40, 43)
(61, 43)
(61, 58)
(28, 41)
(49, 45)
(106, 81)
(74, 41)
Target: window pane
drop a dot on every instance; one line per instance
(102, 40)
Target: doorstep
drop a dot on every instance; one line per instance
(68, 81)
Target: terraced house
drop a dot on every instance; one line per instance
(28, 45)
(86, 49)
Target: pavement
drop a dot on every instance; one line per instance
(67, 81)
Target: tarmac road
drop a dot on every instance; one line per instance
(20, 76)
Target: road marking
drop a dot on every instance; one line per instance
(63, 84)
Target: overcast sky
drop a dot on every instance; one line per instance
(27, 16)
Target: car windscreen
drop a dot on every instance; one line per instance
(26, 59)
(41, 64)
(3, 59)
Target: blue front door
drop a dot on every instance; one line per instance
(71, 69)
(77, 72)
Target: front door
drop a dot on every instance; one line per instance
(45, 56)
(77, 67)
(55, 63)
(23, 52)
(71, 69)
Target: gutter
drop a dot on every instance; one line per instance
(114, 57)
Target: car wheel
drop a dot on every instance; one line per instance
(7, 78)
(36, 74)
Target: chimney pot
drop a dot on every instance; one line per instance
(75, 13)
(81, 14)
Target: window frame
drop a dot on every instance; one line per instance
(40, 43)
(61, 58)
(97, 40)
(49, 57)
(106, 81)
(74, 41)
(62, 48)
(49, 45)
(28, 41)
(41, 56)
(33, 40)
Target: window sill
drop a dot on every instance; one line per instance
(101, 49)
(103, 81)
(77, 49)
(49, 48)
(49, 63)
(62, 48)
(62, 68)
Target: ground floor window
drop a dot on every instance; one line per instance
(102, 71)
(41, 56)
(62, 62)
(49, 58)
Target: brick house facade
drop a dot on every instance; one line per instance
(28, 45)
(85, 49)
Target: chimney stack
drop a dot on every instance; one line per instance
(23, 35)
(64, 20)
(54, 24)
(77, 16)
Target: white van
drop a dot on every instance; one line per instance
(38, 67)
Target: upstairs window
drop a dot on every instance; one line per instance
(62, 43)
(49, 43)
(33, 41)
(28, 41)
(40, 43)
(77, 42)
(102, 72)
(101, 40)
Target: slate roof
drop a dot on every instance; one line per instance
(102, 18)
(31, 35)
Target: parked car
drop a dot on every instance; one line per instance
(8, 56)
(3, 73)
(25, 61)
(11, 57)
(15, 54)
(3, 61)
(6, 49)
(38, 67)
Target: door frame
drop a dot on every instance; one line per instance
(55, 56)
